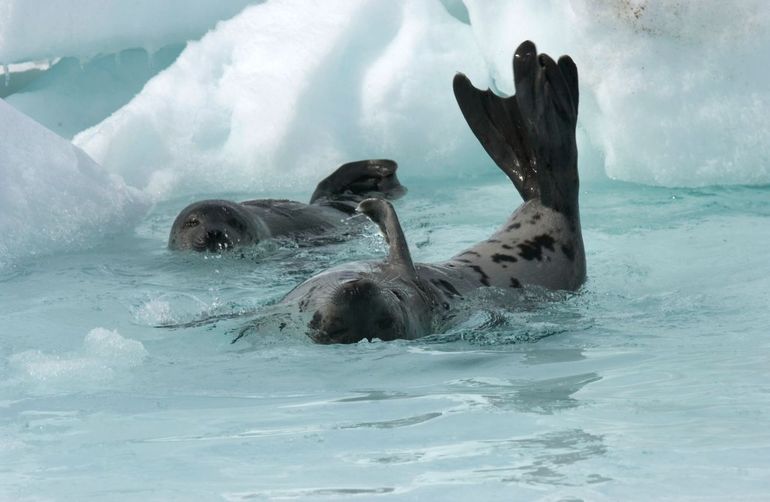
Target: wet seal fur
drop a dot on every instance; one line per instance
(218, 225)
(531, 137)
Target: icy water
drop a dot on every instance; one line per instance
(652, 383)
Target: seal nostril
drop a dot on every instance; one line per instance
(215, 235)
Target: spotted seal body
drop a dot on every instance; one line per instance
(531, 137)
(219, 225)
(536, 246)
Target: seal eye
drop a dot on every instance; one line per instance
(192, 222)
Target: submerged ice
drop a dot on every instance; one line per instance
(103, 355)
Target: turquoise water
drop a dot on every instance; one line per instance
(652, 382)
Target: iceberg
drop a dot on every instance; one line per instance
(72, 95)
(100, 53)
(673, 92)
(179, 98)
(53, 195)
(278, 95)
(32, 30)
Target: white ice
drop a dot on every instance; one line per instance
(45, 29)
(53, 196)
(673, 92)
(73, 95)
(280, 94)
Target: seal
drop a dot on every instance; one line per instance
(531, 137)
(218, 225)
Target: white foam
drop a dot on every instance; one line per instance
(107, 345)
(172, 308)
(104, 353)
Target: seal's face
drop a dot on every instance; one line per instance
(214, 226)
(366, 308)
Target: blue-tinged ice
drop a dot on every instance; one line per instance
(32, 30)
(73, 95)
(673, 92)
(53, 196)
(284, 91)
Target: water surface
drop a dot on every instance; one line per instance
(652, 381)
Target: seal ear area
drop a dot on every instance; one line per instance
(382, 213)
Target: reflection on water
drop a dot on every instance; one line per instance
(314, 493)
(543, 396)
(552, 356)
(541, 459)
(392, 424)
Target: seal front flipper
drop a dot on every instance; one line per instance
(382, 213)
(355, 181)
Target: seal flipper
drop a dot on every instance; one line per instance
(531, 135)
(498, 125)
(382, 213)
(355, 181)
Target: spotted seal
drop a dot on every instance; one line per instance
(531, 137)
(218, 225)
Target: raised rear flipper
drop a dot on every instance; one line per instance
(355, 181)
(531, 135)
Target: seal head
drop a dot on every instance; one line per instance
(219, 225)
(385, 300)
(369, 307)
(215, 225)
